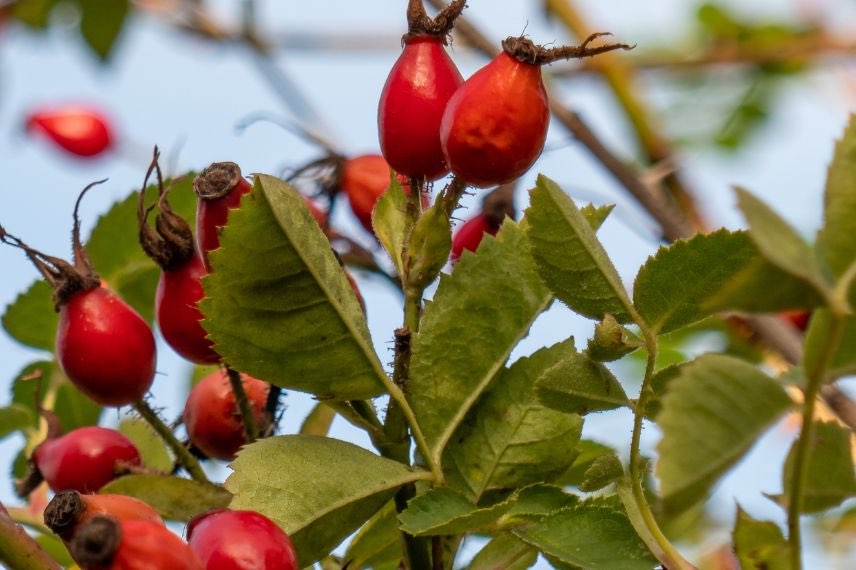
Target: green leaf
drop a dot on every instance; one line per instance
(570, 258)
(504, 551)
(15, 417)
(442, 511)
(428, 246)
(535, 502)
(672, 287)
(779, 243)
(596, 215)
(173, 497)
(101, 21)
(319, 420)
(843, 362)
(318, 489)
(70, 406)
(54, 546)
(837, 240)
(389, 220)
(153, 451)
(831, 479)
(590, 536)
(604, 471)
(377, 543)
(587, 452)
(509, 439)
(478, 315)
(277, 298)
(34, 13)
(759, 545)
(31, 319)
(712, 414)
(611, 341)
(576, 384)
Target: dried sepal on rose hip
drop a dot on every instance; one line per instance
(416, 92)
(171, 245)
(103, 345)
(107, 543)
(69, 509)
(240, 540)
(494, 127)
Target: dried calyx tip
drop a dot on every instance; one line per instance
(217, 180)
(63, 512)
(95, 543)
(420, 24)
(525, 50)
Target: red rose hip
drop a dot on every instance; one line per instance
(70, 509)
(79, 130)
(219, 188)
(84, 459)
(240, 540)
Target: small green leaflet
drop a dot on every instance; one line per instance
(15, 417)
(152, 449)
(101, 23)
(389, 220)
(570, 258)
(590, 536)
(377, 543)
(837, 239)
(504, 551)
(509, 439)
(277, 298)
(174, 498)
(576, 384)
(759, 545)
(70, 406)
(455, 359)
(318, 489)
(831, 478)
(713, 412)
(587, 452)
(31, 319)
(442, 511)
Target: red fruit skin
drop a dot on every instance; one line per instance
(212, 418)
(240, 540)
(121, 507)
(146, 545)
(494, 127)
(178, 292)
(469, 236)
(411, 108)
(213, 214)
(84, 459)
(105, 348)
(364, 180)
(798, 318)
(78, 130)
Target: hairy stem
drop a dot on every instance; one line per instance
(251, 430)
(182, 455)
(804, 444)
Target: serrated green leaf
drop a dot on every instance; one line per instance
(509, 439)
(277, 298)
(759, 545)
(318, 489)
(319, 420)
(570, 258)
(672, 287)
(590, 536)
(15, 417)
(831, 478)
(377, 543)
(576, 384)
(779, 243)
(389, 220)
(173, 497)
(478, 315)
(712, 414)
(536, 501)
(587, 452)
(442, 511)
(504, 551)
(843, 361)
(837, 240)
(31, 319)
(603, 471)
(101, 22)
(596, 215)
(153, 451)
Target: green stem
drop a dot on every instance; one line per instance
(18, 550)
(800, 466)
(251, 430)
(182, 455)
(643, 520)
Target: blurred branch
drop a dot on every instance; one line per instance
(18, 549)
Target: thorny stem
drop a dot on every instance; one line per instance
(251, 430)
(804, 444)
(182, 454)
